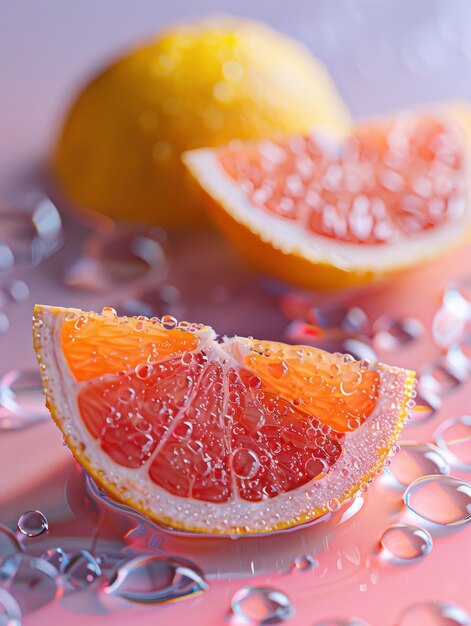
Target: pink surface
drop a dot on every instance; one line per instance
(383, 56)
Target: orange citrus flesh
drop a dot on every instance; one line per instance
(216, 436)
(323, 213)
(400, 176)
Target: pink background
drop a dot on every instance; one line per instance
(384, 55)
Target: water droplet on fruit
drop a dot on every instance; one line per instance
(143, 371)
(169, 322)
(406, 542)
(108, 311)
(440, 499)
(434, 614)
(245, 463)
(333, 505)
(32, 524)
(155, 579)
(416, 460)
(10, 612)
(82, 569)
(454, 438)
(278, 369)
(9, 544)
(392, 334)
(304, 562)
(261, 605)
(315, 467)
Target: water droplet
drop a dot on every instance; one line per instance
(457, 297)
(434, 614)
(115, 258)
(426, 406)
(82, 569)
(4, 323)
(316, 467)
(57, 557)
(416, 460)
(32, 581)
(440, 499)
(143, 371)
(333, 505)
(261, 605)
(108, 311)
(32, 524)
(352, 621)
(21, 399)
(9, 544)
(439, 378)
(10, 612)
(304, 563)
(406, 542)
(155, 579)
(392, 334)
(447, 327)
(351, 319)
(454, 438)
(360, 350)
(169, 322)
(245, 463)
(18, 290)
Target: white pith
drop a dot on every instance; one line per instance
(292, 237)
(365, 445)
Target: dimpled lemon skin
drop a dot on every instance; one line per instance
(197, 84)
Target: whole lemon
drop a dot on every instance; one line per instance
(199, 83)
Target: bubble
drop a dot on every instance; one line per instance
(261, 605)
(392, 334)
(155, 579)
(9, 544)
(434, 614)
(454, 438)
(18, 290)
(10, 612)
(440, 499)
(439, 378)
(57, 557)
(32, 524)
(31, 580)
(416, 460)
(245, 463)
(316, 467)
(406, 542)
(143, 371)
(81, 570)
(169, 322)
(304, 562)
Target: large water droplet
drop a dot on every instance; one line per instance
(155, 579)
(427, 403)
(440, 499)
(439, 377)
(261, 605)
(82, 569)
(32, 581)
(416, 460)
(434, 614)
(57, 557)
(245, 463)
(447, 327)
(9, 544)
(32, 523)
(406, 542)
(10, 612)
(165, 300)
(21, 399)
(115, 259)
(350, 319)
(457, 297)
(454, 438)
(392, 334)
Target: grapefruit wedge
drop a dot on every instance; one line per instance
(215, 435)
(319, 213)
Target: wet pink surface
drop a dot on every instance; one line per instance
(47, 48)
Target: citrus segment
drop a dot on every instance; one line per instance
(310, 208)
(230, 436)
